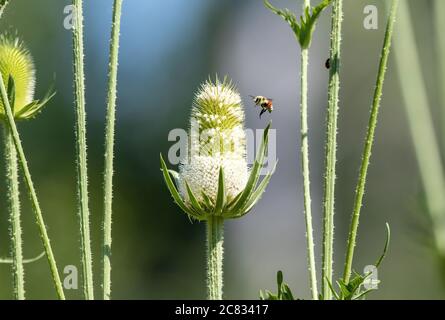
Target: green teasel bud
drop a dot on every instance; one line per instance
(215, 178)
(218, 116)
(18, 73)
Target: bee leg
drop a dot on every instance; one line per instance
(262, 111)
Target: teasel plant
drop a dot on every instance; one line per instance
(17, 83)
(368, 145)
(81, 148)
(109, 148)
(351, 285)
(303, 31)
(214, 182)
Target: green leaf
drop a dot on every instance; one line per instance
(32, 109)
(174, 192)
(283, 293)
(254, 175)
(287, 293)
(175, 176)
(262, 297)
(193, 200)
(288, 16)
(308, 24)
(344, 291)
(208, 202)
(11, 92)
(305, 28)
(385, 249)
(256, 195)
(220, 197)
(234, 200)
(363, 294)
(337, 297)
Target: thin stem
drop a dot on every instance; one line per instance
(305, 169)
(109, 148)
(84, 213)
(215, 230)
(439, 22)
(13, 194)
(331, 148)
(3, 4)
(360, 190)
(421, 125)
(32, 191)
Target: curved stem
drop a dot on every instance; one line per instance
(25, 261)
(331, 148)
(84, 212)
(215, 251)
(305, 169)
(31, 189)
(360, 190)
(13, 194)
(109, 149)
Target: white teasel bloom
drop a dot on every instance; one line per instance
(214, 179)
(218, 118)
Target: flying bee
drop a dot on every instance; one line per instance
(264, 103)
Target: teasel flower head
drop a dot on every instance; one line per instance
(214, 178)
(18, 73)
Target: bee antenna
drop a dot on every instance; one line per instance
(253, 97)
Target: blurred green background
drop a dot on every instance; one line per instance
(167, 49)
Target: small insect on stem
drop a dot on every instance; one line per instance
(327, 64)
(264, 103)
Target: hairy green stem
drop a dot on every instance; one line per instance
(421, 125)
(3, 4)
(215, 252)
(305, 169)
(331, 148)
(82, 180)
(32, 191)
(439, 22)
(372, 124)
(109, 148)
(13, 194)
